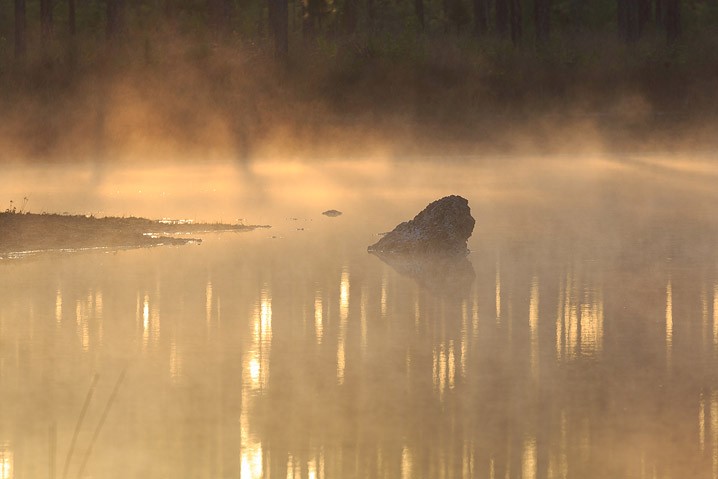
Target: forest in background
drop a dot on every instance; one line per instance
(114, 79)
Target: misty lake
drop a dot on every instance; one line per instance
(580, 340)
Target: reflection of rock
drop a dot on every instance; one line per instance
(442, 227)
(444, 274)
(332, 213)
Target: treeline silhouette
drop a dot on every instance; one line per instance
(42, 25)
(258, 78)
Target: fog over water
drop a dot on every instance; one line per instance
(580, 341)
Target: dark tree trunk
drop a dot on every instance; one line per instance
(370, 9)
(445, 13)
(71, 22)
(542, 19)
(516, 21)
(502, 17)
(313, 10)
(220, 14)
(115, 20)
(349, 16)
(658, 11)
(644, 15)
(45, 21)
(629, 27)
(20, 40)
(673, 20)
(279, 25)
(481, 23)
(621, 18)
(419, 9)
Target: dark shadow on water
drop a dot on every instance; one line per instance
(445, 275)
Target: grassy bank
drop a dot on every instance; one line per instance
(175, 96)
(28, 232)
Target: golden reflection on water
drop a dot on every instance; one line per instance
(150, 322)
(464, 338)
(579, 324)
(292, 468)
(702, 423)
(444, 368)
(256, 374)
(533, 325)
(715, 315)
(318, 317)
(343, 318)
(252, 467)
(528, 463)
(58, 306)
(7, 461)
(257, 361)
(406, 463)
(704, 314)
(316, 466)
(475, 316)
(208, 302)
(467, 460)
(82, 327)
(714, 432)
(383, 295)
(362, 321)
(175, 361)
(669, 322)
(498, 292)
(88, 313)
(439, 369)
(592, 322)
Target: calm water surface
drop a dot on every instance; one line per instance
(579, 339)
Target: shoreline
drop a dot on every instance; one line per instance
(27, 234)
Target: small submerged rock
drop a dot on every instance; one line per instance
(443, 227)
(332, 213)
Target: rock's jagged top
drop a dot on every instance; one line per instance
(332, 213)
(443, 227)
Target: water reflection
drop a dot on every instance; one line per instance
(175, 361)
(406, 461)
(309, 358)
(58, 306)
(150, 322)
(579, 324)
(714, 432)
(439, 274)
(669, 322)
(363, 321)
(318, 317)
(534, 324)
(702, 422)
(498, 291)
(7, 461)
(208, 302)
(258, 356)
(528, 462)
(343, 320)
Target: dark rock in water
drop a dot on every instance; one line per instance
(441, 228)
(332, 213)
(441, 274)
